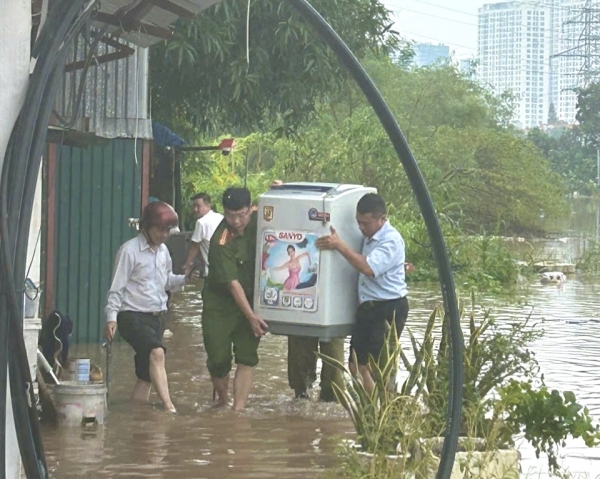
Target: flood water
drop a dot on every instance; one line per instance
(277, 437)
(280, 437)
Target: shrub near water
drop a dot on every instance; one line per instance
(546, 418)
(492, 355)
(590, 259)
(388, 424)
(482, 261)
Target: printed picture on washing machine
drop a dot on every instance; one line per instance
(289, 270)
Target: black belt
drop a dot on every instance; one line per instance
(376, 303)
(151, 313)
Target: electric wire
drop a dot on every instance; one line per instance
(404, 9)
(447, 8)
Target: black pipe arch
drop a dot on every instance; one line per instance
(419, 188)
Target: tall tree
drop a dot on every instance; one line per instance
(552, 117)
(479, 173)
(215, 73)
(569, 155)
(588, 113)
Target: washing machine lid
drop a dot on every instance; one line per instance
(318, 189)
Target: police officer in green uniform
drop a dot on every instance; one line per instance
(302, 365)
(228, 320)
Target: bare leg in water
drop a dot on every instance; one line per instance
(141, 391)
(241, 386)
(158, 376)
(365, 374)
(221, 386)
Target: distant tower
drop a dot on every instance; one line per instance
(513, 50)
(576, 62)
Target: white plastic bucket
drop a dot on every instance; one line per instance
(79, 404)
(79, 370)
(31, 332)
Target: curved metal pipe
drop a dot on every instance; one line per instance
(436, 237)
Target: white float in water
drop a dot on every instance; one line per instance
(553, 277)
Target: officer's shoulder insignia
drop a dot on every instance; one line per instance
(224, 237)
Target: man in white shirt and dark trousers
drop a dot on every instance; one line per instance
(137, 299)
(382, 290)
(206, 224)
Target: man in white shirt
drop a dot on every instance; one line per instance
(206, 224)
(382, 289)
(137, 299)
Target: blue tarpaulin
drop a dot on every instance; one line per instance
(165, 137)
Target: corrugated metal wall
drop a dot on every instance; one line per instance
(114, 103)
(97, 190)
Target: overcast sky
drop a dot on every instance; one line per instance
(439, 21)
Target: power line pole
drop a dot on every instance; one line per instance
(582, 43)
(597, 166)
(586, 46)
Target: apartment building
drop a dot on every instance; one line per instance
(542, 51)
(514, 48)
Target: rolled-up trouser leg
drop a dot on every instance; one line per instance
(144, 332)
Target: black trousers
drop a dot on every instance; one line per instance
(368, 335)
(144, 332)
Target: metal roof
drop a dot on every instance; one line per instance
(145, 22)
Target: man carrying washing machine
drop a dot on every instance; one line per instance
(382, 290)
(228, 320)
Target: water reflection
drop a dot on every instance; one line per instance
(280, 437)
(567, 353)
(584, 219)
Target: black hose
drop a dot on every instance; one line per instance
(3, 358)
(22, 395)
(37, 145)
(25, 144)
(27, 119)
(4, 339)
(17, 189)
(427, 210)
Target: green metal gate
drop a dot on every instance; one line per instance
(98, 188)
